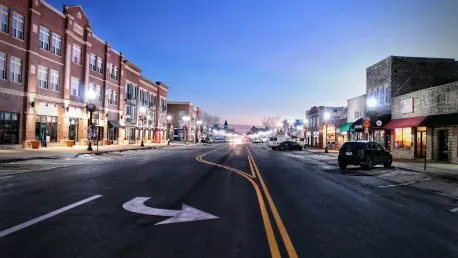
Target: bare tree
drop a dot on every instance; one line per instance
(270, 121)
(209, 120)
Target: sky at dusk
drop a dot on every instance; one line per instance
(243, 60)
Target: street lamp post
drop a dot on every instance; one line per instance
(186, 119)
(142, 118)
(326, 116)
(306, 125)
(91, 107)
(169, 128)
(372, 111)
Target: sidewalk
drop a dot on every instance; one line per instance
(59, 152)
(318, 150)
(435, 169)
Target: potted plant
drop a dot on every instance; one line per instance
(35, 144)
(69, 143)
(109, 142)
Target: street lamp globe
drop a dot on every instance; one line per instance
(186, 118)
(91, 94)
(199, 122)
(326, 116)
(142, 110)
(371, 103)
(279, 124)
(169, 118)
(306, 121)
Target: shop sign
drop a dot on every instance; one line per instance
(366, 124)
(407, 106)
(358, 126)
(379, 123)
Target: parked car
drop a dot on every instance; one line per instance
(367, 154)
(257, 140)
(274, 141)
(218, 140)
(289, 145)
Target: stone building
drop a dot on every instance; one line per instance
(52, 65)
(425, 123)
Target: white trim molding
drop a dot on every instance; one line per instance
(52, 8)
(163, 88)
(35, 11)
(132, 70)
(49, 59)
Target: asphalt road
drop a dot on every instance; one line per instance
(282, 204)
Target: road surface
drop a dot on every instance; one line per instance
(216, 201)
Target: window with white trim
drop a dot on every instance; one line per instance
(15, 69)
(115, 97)
(75, 87)
(56, 44)
(18, 26)
(382, 96)
(92, 62)
(44, 38)
(2, 66)
(387, 95)
(110, 71)
(128, 91)
(110, 96)
(152, 100)
(4, 18)
(115, 73)
(134, 91)
(163, 105)
(134, 112)
(42, 77)
(99, 93)
(76, 58)
(100, 65)
(127, 110)
(55, 80)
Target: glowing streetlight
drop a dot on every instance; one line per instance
(91, 107)
(142, 117)
(186, 119)
(91, 94)
(371, 103)
(169, 128)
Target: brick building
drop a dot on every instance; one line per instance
(425, 123)
(184, 130)
(50, 61)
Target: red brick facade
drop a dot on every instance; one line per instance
(49, 69)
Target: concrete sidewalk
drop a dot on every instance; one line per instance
(435, 169)
(59, 152)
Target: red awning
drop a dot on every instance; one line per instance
(405, 122)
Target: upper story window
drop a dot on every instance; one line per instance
(387, 95)
(163, 105)
(134, 92)
(181, 114)
(4, 19)
(100, 65)
(44, 38)
(115, 98)
(76, 58)
(115, 73)
(110, 96)
(382, 96)
(18, 26)
(56, 44)
(111, 71)
(16, 69)
(55, 80)
(128, 91)
(92, 63)
(2, 66)
(75, 87)
(152, 100)
(42, 77)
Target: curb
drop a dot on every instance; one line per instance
(431, 174)
(4, 161)
(123, 150)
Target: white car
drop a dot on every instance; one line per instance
(218, 140)
(274, 141)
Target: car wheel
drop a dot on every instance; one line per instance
(369, 163)
(388, 163)
(342, 166)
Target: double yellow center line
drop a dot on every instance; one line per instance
(255, 174)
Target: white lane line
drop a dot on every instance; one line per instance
(408, 183)
(46, 216)
(454, 210)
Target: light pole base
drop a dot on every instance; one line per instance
(89, 147)
(142, 145)
(326, 150)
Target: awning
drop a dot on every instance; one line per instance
(115, 123)
(440, 120)
(405, 122)
(376, 122)
(345, 127)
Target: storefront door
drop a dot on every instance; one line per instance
(443, 145)
(73, 129)
(420, 150)
(46, 129)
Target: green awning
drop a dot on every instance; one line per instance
(345, 127)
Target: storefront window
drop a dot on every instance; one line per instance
(9, 128)
(46, 129)
(403, 138)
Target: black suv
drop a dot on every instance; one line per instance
(289, 145)
(364, 153)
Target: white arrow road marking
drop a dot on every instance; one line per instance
(186, 214)
(454, 210)
(46, 216)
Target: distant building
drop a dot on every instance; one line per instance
(316, 129)
(178, 110)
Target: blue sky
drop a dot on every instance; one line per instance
(243, 59)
